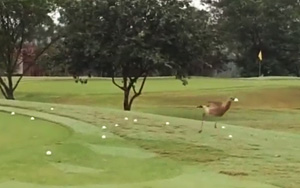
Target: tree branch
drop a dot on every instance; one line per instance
(115, 83)
(46, 48)
(134, 80)
(2, 91)
(2, 83)
(35, 59)
(143, 84)
(134, 90)
(136, 94)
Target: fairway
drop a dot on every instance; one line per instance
(264, 151)
(150, 94)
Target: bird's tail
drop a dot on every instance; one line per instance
(200, 106)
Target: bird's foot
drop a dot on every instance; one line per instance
(215, 126)
(200, 131)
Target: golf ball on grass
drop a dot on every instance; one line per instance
(32, 118)
(103, 127)
(230, 136)
(103, 136)
(135, 120)
(223, 127)
(48, 152)
(12, 113)
(167, 123)
(116, 125)
(52, 109)
(126, 118)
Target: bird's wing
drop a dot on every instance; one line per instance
(215, 103)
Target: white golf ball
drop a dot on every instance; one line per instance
(135, 120)
(48, 153)
(167, 123)
(126, 118)
(52, 109)
(103, 127)
(32, 118)
(116, 125)
(103, 136)
(230, 136)
(12, 113)
(223, 127)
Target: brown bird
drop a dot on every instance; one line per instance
(217, 109)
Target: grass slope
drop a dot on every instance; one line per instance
(265, 103)
(151, 154)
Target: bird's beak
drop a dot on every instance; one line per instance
(236, 100)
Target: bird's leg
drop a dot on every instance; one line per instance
(215, 125)
(218, 134)
(203, 115)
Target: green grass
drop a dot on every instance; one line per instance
(264, 151)
(260, 99)
(76, 160)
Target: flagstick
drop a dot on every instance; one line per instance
(259, 68)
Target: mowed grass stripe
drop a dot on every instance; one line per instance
(121, 151)
(193, 180)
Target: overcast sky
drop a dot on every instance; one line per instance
(197, 4)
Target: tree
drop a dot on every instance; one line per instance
(133, 39)
(273, 26)
(21, 23)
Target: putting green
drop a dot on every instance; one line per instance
(74, 161)
(18, 131)
(23, 145)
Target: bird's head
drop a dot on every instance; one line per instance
(234, 99)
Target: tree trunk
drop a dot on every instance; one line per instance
(7, 90)
(10, 88)
(10, 94)
(126, 103)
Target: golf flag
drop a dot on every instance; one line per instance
(260, 55)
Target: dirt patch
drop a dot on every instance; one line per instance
(231, 173)
(180, 151)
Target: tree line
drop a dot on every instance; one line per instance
(136, 39)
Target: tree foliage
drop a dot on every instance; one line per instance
(133, 39)
(21, 22)
(272, 26)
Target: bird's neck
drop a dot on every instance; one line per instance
(227, 104)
